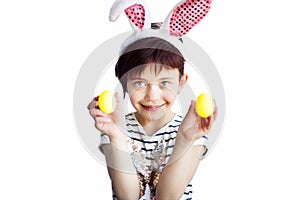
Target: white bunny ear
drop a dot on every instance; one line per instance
(186, 15)
(136, 11)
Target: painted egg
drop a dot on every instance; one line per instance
(204, 105)
(107, 102)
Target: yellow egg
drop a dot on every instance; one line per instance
(106, 102)
(204, 105)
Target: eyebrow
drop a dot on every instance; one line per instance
(143, 79)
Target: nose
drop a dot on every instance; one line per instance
(152, 92)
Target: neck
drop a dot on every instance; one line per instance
(152, 126)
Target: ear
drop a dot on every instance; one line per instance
(136, 11)
(186, 15)
(182, 82)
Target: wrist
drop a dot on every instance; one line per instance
(183, 142)
(119, 141)
(185, 139)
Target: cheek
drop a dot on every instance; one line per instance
(170, 95)
(135, 95)
(172, 91)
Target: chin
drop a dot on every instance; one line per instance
(154, 113)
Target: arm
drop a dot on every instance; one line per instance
(119, 163)
(121, 170)
(185, 156)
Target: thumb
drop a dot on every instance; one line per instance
(191, 112)
(191, 115)
(119, 111)
(119, 108)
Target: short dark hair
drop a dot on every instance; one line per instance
(145, 51)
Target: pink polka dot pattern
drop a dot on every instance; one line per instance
(187, 15)
(136, 14)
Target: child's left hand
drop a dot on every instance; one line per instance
(193, 126)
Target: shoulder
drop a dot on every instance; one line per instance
(131, 120)
(177, 118)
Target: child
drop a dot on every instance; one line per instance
(152, 153)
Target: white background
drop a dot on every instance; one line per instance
(254, 44)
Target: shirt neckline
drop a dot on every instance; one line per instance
(159, 130)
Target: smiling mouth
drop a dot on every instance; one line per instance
(152, 107)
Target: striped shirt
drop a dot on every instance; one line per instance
(150, 154)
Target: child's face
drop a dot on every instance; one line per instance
(153, 94)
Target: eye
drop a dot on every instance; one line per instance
(139, 83)
(165, 83)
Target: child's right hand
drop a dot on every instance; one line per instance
(111, 124)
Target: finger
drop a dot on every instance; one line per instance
(94, 112)
(192, 107)
(93, 104)
(204, 122)
(206, 126)
(192, 112)
(210, 122)
(202, 127)
(102, 119)
(215, 113)
(96, 98)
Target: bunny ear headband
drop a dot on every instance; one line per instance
(185, 15)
